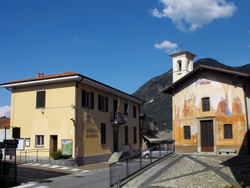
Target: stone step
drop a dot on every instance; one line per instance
(114, 157)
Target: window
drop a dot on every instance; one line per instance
(126, 134)
(39, 140)
(135, 135)
(40, 99)
(103, 133)
(179, 65)
(134, 111)
(126, 108)
(102, 103)
(187, 134)
(228, 131)
(87, 99)
(205, 104)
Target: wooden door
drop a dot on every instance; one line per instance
(54, 143)
(207, 136)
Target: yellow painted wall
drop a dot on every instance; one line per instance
(89, 133)
(227, 106)
(54, 119)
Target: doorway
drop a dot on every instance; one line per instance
(53, 142)
(115, 139)
(207, 136)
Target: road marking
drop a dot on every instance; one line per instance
(34, 164)
(45, 165)
(27, 185)
(74, 169)
(85, 171)
(26, 163)
(54, 166)
(64, 168)
(43, 186)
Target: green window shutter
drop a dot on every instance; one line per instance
(92, 100)
(99, 102)
(83, 98)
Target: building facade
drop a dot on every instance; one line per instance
(88, 120)
(210, 108)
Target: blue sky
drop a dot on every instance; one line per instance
(120, 43)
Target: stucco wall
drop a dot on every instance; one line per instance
(227, 106)
(54, 119)
(89, 132)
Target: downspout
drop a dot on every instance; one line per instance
(75, 121)
(248, 131)
(140, 129)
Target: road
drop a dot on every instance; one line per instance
(97, 179)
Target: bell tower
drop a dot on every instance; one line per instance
(182, 64)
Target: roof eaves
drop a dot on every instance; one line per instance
(169, 88)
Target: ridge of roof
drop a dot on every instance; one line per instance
(43, 77)
(165, 90)
(223, 70)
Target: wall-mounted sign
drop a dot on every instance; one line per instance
(67, 147)
(27, 142)
(88, 118)
(20, 145)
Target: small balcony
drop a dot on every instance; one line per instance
(118, 118)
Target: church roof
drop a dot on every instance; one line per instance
(169, 88)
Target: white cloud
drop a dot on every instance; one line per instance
(168, 46)
(188, 15)
(5, 111)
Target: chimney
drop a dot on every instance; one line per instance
(39, 74)
(42, 75)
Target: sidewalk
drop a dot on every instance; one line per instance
(195, 170)
(69, 169)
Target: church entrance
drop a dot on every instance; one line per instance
(207, 136)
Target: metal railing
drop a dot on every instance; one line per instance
(126, 167)
(34, 157)
(118, 118)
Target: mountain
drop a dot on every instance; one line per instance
(159, 105)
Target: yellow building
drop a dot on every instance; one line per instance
(87, 119)
(210, 107)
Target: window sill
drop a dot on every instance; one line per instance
(42, 146)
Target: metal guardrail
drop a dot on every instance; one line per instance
(126, 167)
(36, 156)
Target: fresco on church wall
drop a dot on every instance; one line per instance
(227, 106)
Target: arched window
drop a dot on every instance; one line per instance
(188, 66)
(179, 65)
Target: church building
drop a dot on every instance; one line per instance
(210, 107)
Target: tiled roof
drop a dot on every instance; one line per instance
(4, 122)
(41, 77)
(169, 88)
(225, 70)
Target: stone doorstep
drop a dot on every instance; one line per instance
(227, 151)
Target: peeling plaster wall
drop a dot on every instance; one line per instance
(227, 106)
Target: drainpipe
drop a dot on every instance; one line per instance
(248, 133)
(75, 121)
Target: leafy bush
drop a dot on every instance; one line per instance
(237, 186)
(56, 155)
